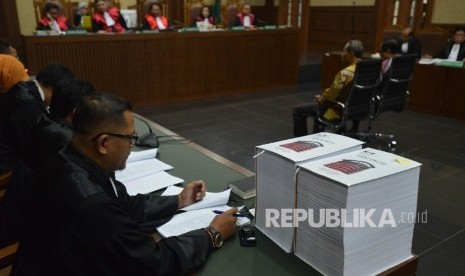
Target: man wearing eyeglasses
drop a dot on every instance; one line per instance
(85, 223)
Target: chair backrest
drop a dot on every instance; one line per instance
(39, 8)
(393, 96)
(229, 11)
(7, 253)
(192, 9)
(359, 101)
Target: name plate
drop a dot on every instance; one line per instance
(189, 29)
(238, 28)
(76, 32)
(269, 27)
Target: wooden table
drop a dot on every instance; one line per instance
(172, 67)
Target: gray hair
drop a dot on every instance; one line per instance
(355, 47)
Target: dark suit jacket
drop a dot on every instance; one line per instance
(414, 47)
(445, 53)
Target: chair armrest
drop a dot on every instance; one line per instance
(7, 255)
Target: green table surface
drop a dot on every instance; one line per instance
(192, 162)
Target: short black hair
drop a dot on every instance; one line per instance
(53, 73)
(391, 45)
(50, 6)
(98, 112)
(66, 96)
(155, 4)
(5, 47)
(458, 29)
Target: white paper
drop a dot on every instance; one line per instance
(360, 166)
(192, 220)
(210, 199)
(311, 146)
(141, 155)
(142, 168)
(151, 183)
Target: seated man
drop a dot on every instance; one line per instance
(389, 49)
(455, 49)
(353, 52)
(409, 44)
(85, 223)
(107, 19)
(245, 18)
(53, 21)
(154, 20)
(46, 138)
(22, 106)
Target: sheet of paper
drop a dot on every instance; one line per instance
(142, 168)
(192, 220)
(210, 199)
(135, 156)
(151, 183)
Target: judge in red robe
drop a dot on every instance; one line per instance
(53, 21)
(154, 20)
(108, 19)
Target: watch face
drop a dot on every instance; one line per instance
(218, 240)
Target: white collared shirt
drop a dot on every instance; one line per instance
(41, 93)
(108, 20)
(454, 52)
(114, 187)
(160, 24)
(246, 21)
(404, 47)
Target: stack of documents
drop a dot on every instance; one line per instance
(198, 215)
(359, 209)
(275, 171)
(144, 173)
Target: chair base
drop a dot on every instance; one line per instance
(388, 140)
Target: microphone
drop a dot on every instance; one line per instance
(261, 22)
(148, 140)
(179, 24)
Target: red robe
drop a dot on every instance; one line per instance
(114, 14)
(152, 21)
(61, 20)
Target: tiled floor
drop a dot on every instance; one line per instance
(232, 126)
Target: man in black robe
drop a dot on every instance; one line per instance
(21, 108)
(85, 223)
(45, 138)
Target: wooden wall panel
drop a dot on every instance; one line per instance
(331, 27)
(173, 67)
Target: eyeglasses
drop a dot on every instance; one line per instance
(132, 138)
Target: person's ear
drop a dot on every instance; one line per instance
(101, 144)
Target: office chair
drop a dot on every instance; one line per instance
(393, 96)
(358, 105)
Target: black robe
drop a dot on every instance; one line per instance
(20, 109)
(80, 227)
(446, 52)
(44, 140)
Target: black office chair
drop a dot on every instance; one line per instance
(393, 96)
(358, 105)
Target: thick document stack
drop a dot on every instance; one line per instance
(275, 171)
(360, 211)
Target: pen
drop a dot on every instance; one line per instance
(218, 212)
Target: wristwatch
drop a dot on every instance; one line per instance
(215, 236)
